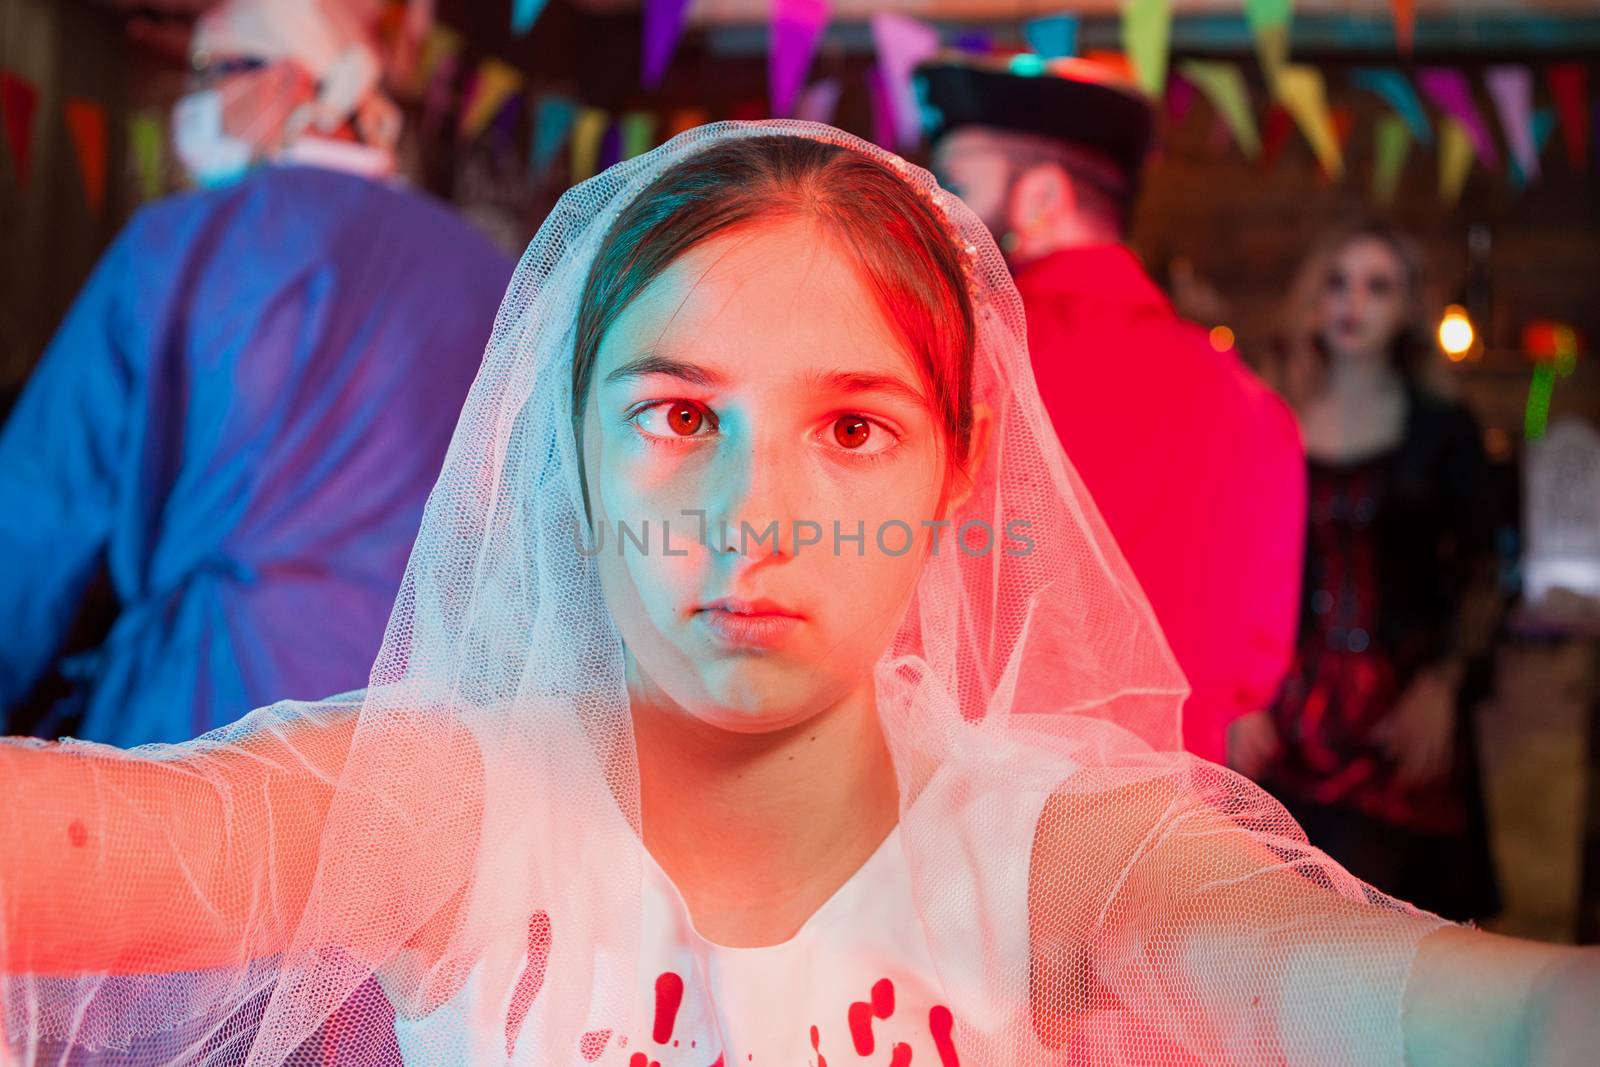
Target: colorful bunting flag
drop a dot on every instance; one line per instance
(1146, 33)
(147, 149)
(1405, 24)
(440, 97)
(1455, 159)
(975, 42)
(19, 99)
(1223, 86)
(638, 131)
(1275, 135)
(1569, 85)
(663, 25)
(1452, 93)
(495, 82)
(1181, 95)
(1391, 145)
(440, 43)
(883, 128)
(553, 117)
(1303, 94)
(1395, 90)
(1052, 36)
(1269, 26)
(685, 118)
(1511, 87)
(902, 43)
(1541, 127)
(819, 101)
(587, 130)
(524, 13)
(610, 147)
(86, 124)
(793, 34)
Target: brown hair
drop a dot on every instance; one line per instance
(901, 247)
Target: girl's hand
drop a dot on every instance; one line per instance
(1419, 733)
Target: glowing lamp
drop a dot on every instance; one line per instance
(1455, 333)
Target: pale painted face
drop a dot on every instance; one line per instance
(971, 163)
(1363, 303)
(757, 382)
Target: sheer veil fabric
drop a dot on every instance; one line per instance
(474, 812)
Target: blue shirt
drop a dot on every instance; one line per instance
(241, 418)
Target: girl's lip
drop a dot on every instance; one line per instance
(760, 608)
(746, 629)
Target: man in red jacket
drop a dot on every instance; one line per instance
(1196, 466)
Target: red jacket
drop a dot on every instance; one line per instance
(1195, 464)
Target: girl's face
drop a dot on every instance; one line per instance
(1363, 303)
(751, 412)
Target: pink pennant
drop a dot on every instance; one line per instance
(1511, 87)
(1181, 95)
(882, 110)
(792, 38)
(819, 101)
(902, 43)
(1450, 90)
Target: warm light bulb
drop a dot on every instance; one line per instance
(1455, 333)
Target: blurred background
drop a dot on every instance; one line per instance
(1472, 125)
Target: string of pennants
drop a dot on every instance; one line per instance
(495, 91)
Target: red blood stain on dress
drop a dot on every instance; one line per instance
(532, 978)
(940, 1023)
(861, 1013)
(593, 1043)
(669, 994)
(901, 1056)
(77, 834)
(639, 1059)
(816, 1046)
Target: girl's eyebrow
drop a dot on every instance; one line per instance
(653, 362)
(863, 382)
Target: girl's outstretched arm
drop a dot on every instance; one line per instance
(193, 856)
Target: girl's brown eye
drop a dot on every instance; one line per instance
(685, 419)
(851, 431)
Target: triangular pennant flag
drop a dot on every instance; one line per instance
(552, 125)
(587, 130)
(663, 25)
(1452, 93)
(1511, 88)
(1569, 85)
(685, 118)
(1146, 32)
(524, 13)
(19, 100)
(883, 133)
(902, 43)
(1181, 95)
(440, 43)
(638, 131)
(1541, 127)
(86, 123)
(1275, 135)
(819, 101)
(503, 127)
(1223, 86)
(975, 42)
(793, 34)
(751, 110)
(1301, 90)
(1455, 159)
(1405, 24)
(1391, 144)
(1344, 123)
(1269, 27)
(1052, 36)
(611, 146)
(1395, 90)
(440, 97)
(147, 151)
(494, 84)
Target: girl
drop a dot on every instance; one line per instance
(763, 689)
(1378, 764)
